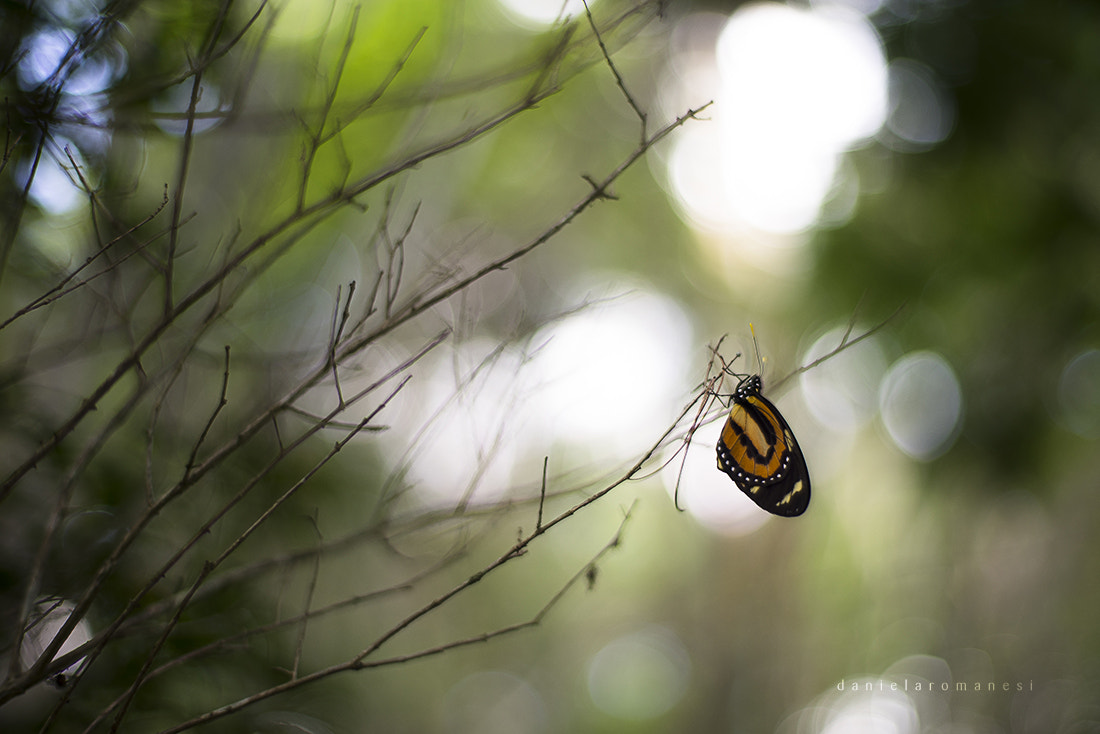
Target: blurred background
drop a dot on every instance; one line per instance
(930, 166)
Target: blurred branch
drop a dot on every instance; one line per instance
(253, 571)
(13, 218)
(77, 466)
(222, 400)
(157, 352)
(53, 523)
(845, 343)
(416, 307)
(336, 335)
(300, 641)
(542, 492)
(210, 566)
(407, 313)
(294, 226)
(359, 662)
(185, 153)
(235, 642)
(611, 65)
(98, 642)
(316, 138)
(60, 291)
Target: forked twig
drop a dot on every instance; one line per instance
(59, 290)
(336, 334)
(222, 402)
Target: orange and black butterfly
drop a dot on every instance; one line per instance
(758, 451)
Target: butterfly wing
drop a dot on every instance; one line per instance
(758, 450)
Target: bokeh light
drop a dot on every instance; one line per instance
(640, 675)
(46, 54)
(864, 7)
(921, 404)
(1079, 394)
(607, 379)
(460, 441)
(921, 113)
(794, 89)
(493, 702)
(842, 392)
(871, 712)
(172, 105)
(612, 376)
(49, 57)
(55, 187)
(542, 13)
(707, 494)
(51, 617)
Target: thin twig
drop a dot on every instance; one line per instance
(94, 646)
(53, 523)
(299, 643)
(306, 219)
(59, 290)
(414, 309)
(542, 492)
(234, 642)
(845, 343)
(611, 65)
(174, 310)
(336, 334)
(210, 566)
(360, 663)
(316, 138)
(222, 402)
(97, 644)
(372, 99)
(187, 145)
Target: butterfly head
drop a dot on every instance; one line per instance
(750, 385)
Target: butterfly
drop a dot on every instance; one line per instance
(758, 450)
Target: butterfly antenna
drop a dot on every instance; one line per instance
(756, 348)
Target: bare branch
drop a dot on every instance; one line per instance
(317, 138)
(185, 157)
(294, 226)
(610, 64)
(542, 492)
(210, 566)
(845, 343)
(235, 642)
(210, 421)
(359, 662)
(416, 308)
(336, 335)
(157, 353)
(299, 643)
(60, 291)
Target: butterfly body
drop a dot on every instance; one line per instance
(758, 450)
